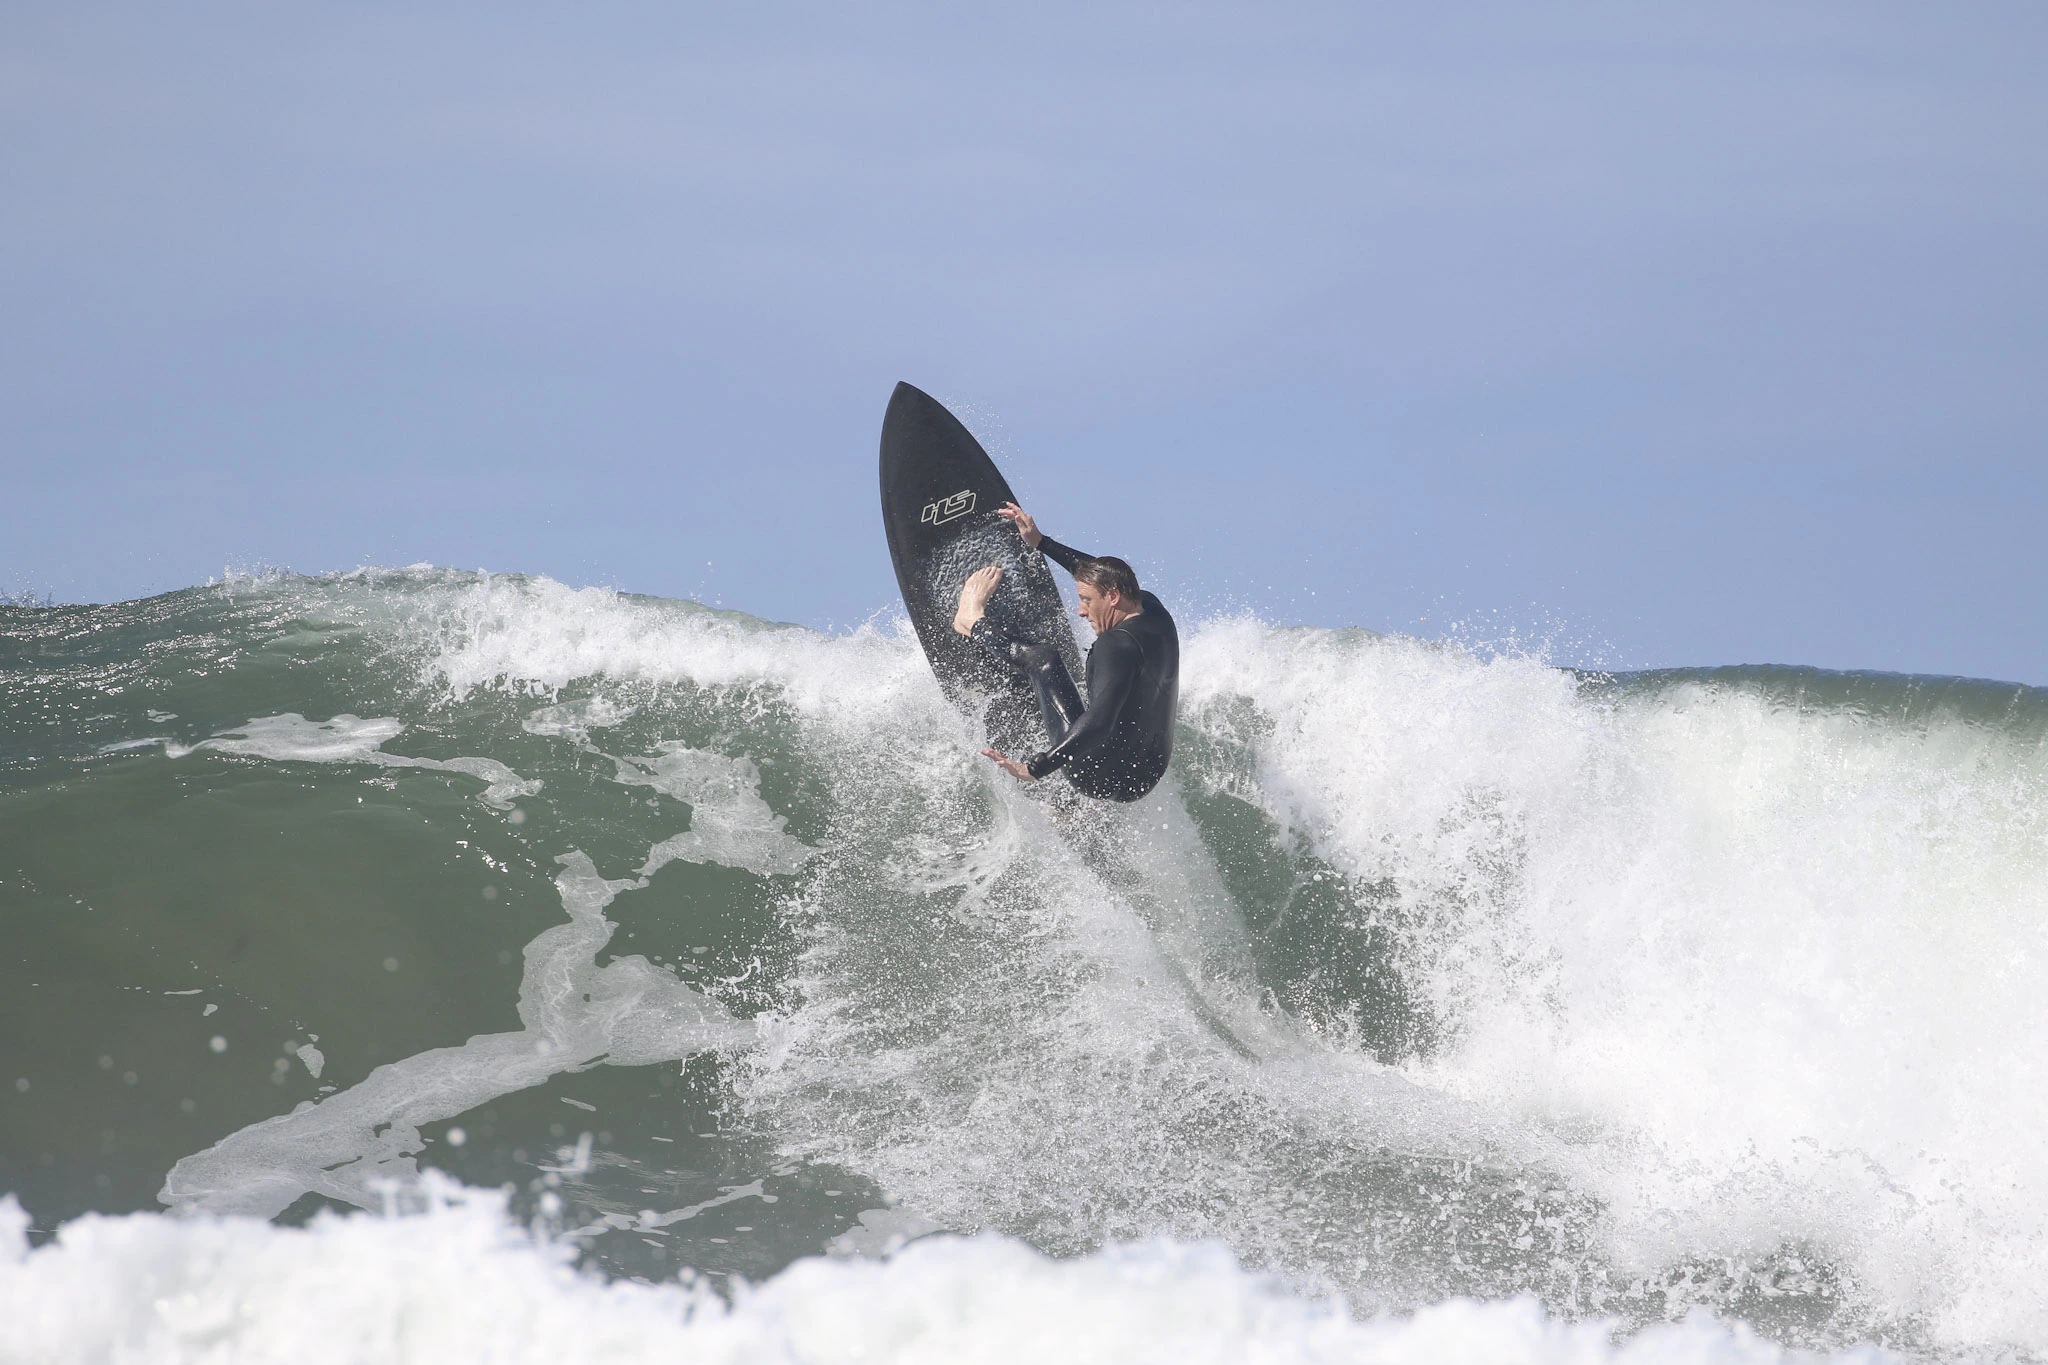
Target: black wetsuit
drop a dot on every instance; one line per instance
(1117, 744)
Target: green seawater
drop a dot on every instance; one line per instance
(177, 928)
(1423, 974)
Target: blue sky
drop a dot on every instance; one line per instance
(1672, 334)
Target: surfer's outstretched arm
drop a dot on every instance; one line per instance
(1027, 526)
(1066, 556)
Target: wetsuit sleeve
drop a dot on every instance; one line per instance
(1066, 556)
(1113, 667)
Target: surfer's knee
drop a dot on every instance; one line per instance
(1038, 658)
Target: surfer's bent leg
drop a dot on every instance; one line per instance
(1059, 701)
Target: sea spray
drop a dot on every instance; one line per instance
(1424, 975)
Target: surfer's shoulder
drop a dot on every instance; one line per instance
(1119, 639)
(1154, 611)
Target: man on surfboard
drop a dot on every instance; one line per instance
(1116, 744)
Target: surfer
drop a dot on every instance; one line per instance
(1116, 744)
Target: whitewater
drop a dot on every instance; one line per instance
(411, 964)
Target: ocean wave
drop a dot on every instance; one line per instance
(1425, 975)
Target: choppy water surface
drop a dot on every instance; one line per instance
(1422, 976)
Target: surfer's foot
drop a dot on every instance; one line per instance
(974, 595)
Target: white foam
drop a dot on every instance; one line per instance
(649, 1219)
(349, 739)
(576, 1015)
(576, 719)
(458, 1282)
(1774, 974)
(729, 822)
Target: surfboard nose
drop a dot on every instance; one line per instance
(907, 399)
(916, 420)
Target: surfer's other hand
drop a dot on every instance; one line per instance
(1026, 527)
(1009, 765)
(974, 595)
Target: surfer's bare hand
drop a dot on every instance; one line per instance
(974, 594)
(1026, 527)
(1009, 765)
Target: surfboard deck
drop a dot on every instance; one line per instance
(940, 491)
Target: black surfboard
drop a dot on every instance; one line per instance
(940, 492)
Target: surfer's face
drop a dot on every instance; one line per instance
(1098, 608)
